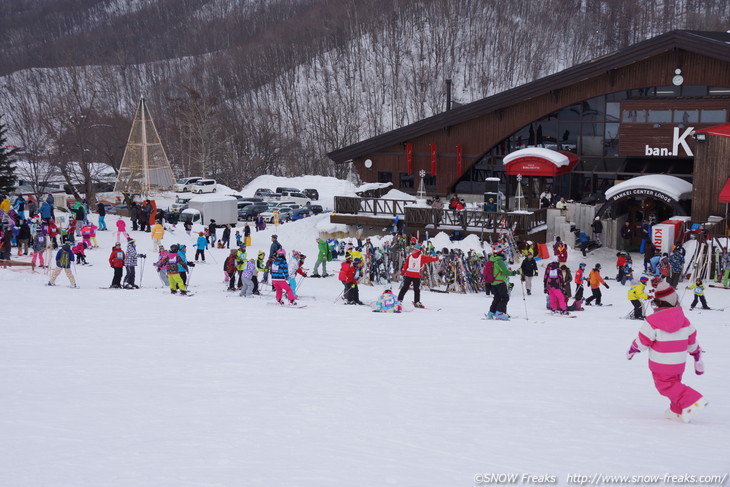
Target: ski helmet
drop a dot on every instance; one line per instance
(174, 248)
(281, 252)
(582, 264)
(598, 266)
(643, 279)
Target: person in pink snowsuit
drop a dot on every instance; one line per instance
(121, 230)
(553, 282)
(669, 336)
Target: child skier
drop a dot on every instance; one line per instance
(247, 276)
(295, 267)
(161, 269)
(342, 276)
(636, 294)
(79, 251)
(352, 294)
(201, 245)
(280, 278)
(578, 280)
(500, 279)
(596, 280)
(229, 268)
(387, 303)
(116, 262)
(38, 246)
(553, 283)
(171, 262)
(699, 291)
(412, 274)
(668, 335)
(121, 230)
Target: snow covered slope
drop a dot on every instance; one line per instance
(142, 388)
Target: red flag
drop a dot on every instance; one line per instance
(409, 157)
(433, 159)
(458, 161)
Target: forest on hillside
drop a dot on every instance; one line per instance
(240, 88)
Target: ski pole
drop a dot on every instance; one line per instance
(76, 275)
(524, 300)
(190, 274)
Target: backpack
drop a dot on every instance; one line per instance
(488, 272)
(63, 260)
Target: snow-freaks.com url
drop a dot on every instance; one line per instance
(602, 479)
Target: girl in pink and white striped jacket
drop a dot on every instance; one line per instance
(669, 336)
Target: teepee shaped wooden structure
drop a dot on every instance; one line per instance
(145, 168)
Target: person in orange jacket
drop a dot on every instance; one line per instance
(412, 274)
(158, 231)
(595, 280)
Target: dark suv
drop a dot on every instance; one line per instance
(312, 194)
(251, 211)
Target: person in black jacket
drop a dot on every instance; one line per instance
(101, 210)
(626, 233)
(529, 270)
(597, 227)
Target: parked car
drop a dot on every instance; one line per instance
(185, 184)
(254, 199)
(312, 194)
(299, 213)
(250, 212)
(180, 204)
(265, 193)
(284, 213)
(296, 196)
(316, 209)
(115, 209)
(237, 196)
(204, 186)
(281, 190)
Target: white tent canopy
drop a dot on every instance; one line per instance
(555, 157)
(674, 187)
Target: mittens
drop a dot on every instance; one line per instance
(699, 364)
(606, 286)
(632, 351)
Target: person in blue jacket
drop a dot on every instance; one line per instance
(201, 245)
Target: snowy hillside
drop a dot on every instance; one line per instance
(142, 388)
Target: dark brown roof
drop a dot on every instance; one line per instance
(713, 44)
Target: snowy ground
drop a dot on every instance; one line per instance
(140, 388)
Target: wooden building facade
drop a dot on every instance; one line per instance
(650, 99)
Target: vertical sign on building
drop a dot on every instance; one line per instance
(409, 157)
(458, 161)
(433, 159)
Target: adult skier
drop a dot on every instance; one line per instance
(64, 259)
(324, 255)
(412, 274)
(595, 280)
(130, 265)
(529, 270)
(501, 274)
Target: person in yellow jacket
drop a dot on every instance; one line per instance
(5, 205)
(698, 288)
(241, 261)
(158, 231)
(636, 294)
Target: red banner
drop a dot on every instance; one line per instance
(433, 159)
(409, 157)
(458, 161)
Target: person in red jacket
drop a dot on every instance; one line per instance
(53, 233)
(342, 276)
(351, 278)
(412, 274)
(116, 261)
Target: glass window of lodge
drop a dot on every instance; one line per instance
(686, 116)
(713, 116)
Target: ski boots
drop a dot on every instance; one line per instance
(490, 316)
(689, 412)
(501, 316)
(418, 304)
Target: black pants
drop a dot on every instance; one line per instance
(578, 292)
(352, 293)
(117, 280)
(184, 277)
(701, 298)
(501, 298)
(232, 280)
(407, 281)
(596, 295)
(129, 278)
(638, 312)
(200, 253)
(255, 280)
(488, 288)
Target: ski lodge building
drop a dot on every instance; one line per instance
(658, 107)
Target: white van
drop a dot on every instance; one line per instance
(204, 186)
(296, 196)
(185, 184)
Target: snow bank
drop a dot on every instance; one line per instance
(395, 194)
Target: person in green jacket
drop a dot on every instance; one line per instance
(500, 283)
(323, 256)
